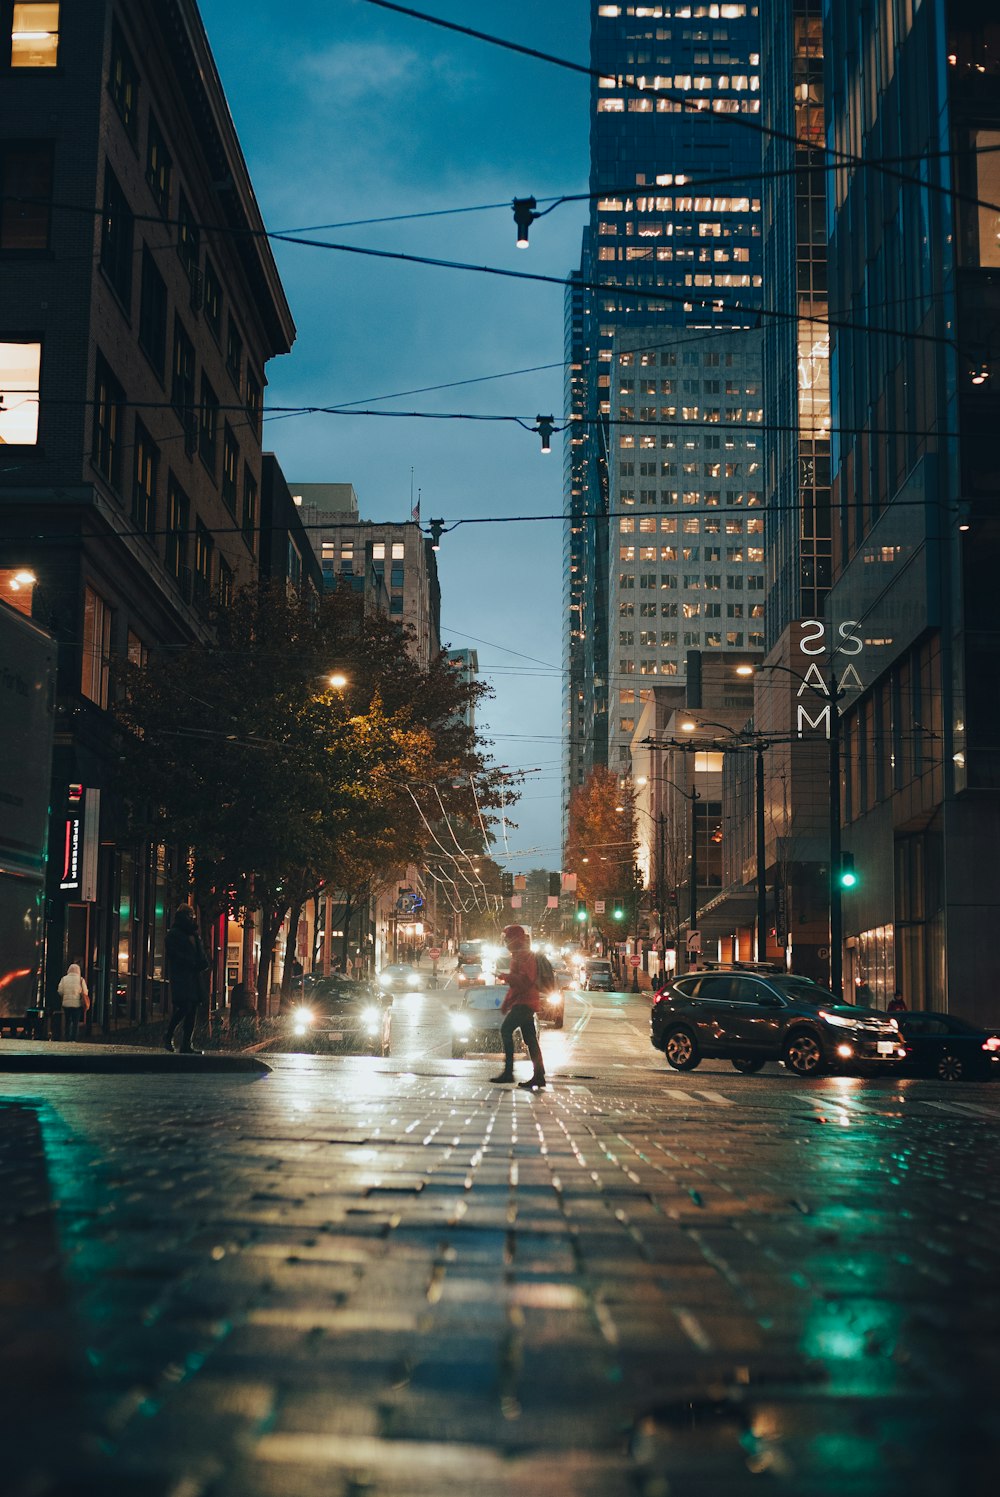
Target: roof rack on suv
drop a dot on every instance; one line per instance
(774, 968)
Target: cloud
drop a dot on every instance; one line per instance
(367, 72)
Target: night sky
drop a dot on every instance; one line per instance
(349, 112)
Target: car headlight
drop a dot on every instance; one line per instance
(371, 1015)
(304, 1016)
(554, 998)
(413, 981)
(837, 1020)
(383, 981)
(893, 1024)
(459, 1021)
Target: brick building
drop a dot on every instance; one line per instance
(139, 304)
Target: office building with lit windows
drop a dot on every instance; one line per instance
(687, 525)
(133, 347)
(394, 566)
(669, 245)
(916, 489)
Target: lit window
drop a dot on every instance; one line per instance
(34, 41)
(96, 664)
(20, 364)
(378, 551)
(398, 551)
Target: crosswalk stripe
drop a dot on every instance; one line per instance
(718, 1098)
(964, 1109)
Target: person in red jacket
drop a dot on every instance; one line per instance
(520, 1007)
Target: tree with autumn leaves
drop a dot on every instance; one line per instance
(601, 849)
(280, 783)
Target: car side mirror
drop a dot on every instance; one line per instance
(768, 1000)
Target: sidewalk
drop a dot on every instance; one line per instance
(104, 1058)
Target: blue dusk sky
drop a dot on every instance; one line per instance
(346, 111)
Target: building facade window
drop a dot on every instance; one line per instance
(123, 83)
(230, 468)
(234, 354)
(176, 530)
(159, 165)
(213, 299)
(20, 372)
(153, 314)
(254, 403)
(96, 665)
(109, 416)
(25, 195)
(204, 557)
(188, 236)
(117, 227)
(208, 425)
(34, 41)
(182, 382)
(226, 583)
(144, 478)
(249, 519)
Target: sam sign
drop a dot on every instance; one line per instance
(813, 640)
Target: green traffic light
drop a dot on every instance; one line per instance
(619, 913)
(581, 914)
(848, 879)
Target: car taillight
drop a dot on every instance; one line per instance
(993, 1043)
(660, 998)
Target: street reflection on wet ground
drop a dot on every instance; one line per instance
(387, 1275)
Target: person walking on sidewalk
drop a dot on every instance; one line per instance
(186, 968)
(72, 990)
(520, 1008)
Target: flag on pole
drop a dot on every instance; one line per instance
(415, 511)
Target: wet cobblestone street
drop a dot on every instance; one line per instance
(389, 1276)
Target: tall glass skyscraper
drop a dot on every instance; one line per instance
(674, 240)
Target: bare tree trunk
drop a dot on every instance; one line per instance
(291, 941)
(270, 925)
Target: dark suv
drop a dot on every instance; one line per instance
(753, 1017)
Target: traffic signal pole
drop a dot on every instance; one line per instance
(836, 911)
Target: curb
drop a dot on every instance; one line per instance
(99, 1060)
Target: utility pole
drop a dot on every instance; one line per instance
(836, 911)
(661, 859)
(761, 859)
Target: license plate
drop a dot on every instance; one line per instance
(887, 1047)
(336, 1034)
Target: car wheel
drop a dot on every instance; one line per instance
(949, 1067)
(804, 1054)
(746, 1065)
(558, 1023)
(681, 1050)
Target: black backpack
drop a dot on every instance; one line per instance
(545, 976)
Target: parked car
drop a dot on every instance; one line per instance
(339, 1014)
(950, 1048)
(750, 1018)
(400, 978)
(598, 976)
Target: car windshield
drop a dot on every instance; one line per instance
(340, 994)
(803, 991)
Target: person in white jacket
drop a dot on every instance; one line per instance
(75, 1000)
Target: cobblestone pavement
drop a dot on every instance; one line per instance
(358, 1276)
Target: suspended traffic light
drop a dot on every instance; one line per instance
(506, 885)
(581, 911)
(847, 876)
(618, 912)
(555, 885)
(524, 217)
